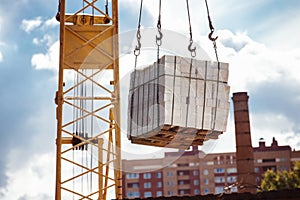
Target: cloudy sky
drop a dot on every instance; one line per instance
(259, 39)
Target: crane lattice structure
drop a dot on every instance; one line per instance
(88, 106)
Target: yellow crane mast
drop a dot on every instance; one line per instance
(88, 107)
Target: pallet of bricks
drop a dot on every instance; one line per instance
(178, 103)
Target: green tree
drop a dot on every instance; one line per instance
(281, 180)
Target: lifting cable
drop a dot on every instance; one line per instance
(193, 54)
(192, 50)
(213, 39)
(136, 52)
(158, 44)
(106, 8)
(57, 16)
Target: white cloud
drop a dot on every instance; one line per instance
(46, 39)
(252, 62)
(1, 57)
(31, 179)
(272, 125)
(31, 24)
(49, 60)
(50, 23)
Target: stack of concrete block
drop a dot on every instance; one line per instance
(181, 92)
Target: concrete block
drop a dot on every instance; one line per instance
(165, 99)
(146, 74)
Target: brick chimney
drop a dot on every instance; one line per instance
(244, 151)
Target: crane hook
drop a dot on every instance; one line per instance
(211, 37)
(192, 50)
(138, 46)
(159, 38)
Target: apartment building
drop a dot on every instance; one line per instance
(189, 173)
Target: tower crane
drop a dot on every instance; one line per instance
(88, 143)
(88, 110)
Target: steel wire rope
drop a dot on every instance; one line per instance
(92, 130)
(81, 129)
(193, 54)
(158, 44)
(74, 131)
(136, 52)
(190, 48)
(213, 39)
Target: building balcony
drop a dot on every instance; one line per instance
(184, 186)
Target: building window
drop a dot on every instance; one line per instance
(147, 194)
(206, 191)
(170, 193)
(133, 194)
(280, 159)
(196, 182)
(273, 168)
(147, 175)
(159, 184)
(196, 191)
(170, 183)
(195, 172)
(219, 190)
(219, 170)
(256, 169)
(183, 182)
(283, 168)
(209, 163)
(158, 175)
(133, 185)
(185, 191)
(170, 174)
(269, 160)
(205, 172)
(193, 164)
(231, 179)
(182, 164)
(158, 193)
(183, 173)
(147, 185)
(231, 170)
(206, 181)
(220, 179)
(132, 176)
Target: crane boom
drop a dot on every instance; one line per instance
(88, 140)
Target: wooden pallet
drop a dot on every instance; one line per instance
(175, 137)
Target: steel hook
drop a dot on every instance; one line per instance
(192, 50)
(159, 38)
(211, 37)
(138, 46)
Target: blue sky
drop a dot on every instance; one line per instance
(259, 39)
